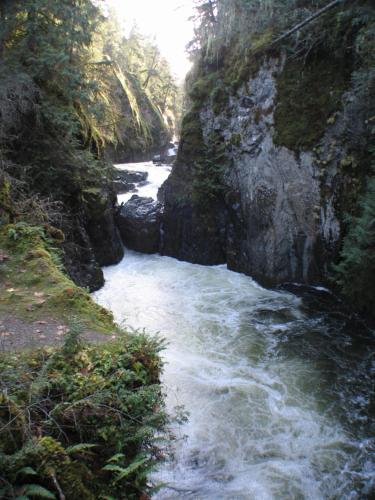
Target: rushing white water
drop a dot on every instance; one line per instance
(277, 395)
(156, 177)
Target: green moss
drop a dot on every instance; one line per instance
(192, 144)
(201, 89)
(307, 96)
(260, 41)
(355, 273)
(219, 99)
(347, 162)
(244, 57)
(6, 206)
(35, 284)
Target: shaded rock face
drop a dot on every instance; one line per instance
(79, 258)
(101, 228)
(279, 217)
(139, 224)
(92, 239)
(189, 234)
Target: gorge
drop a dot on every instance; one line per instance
(191, 321)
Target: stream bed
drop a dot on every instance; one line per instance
(278, 387)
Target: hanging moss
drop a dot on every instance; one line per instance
(244, 57)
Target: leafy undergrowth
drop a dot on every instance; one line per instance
(33, 284)
(80, 422)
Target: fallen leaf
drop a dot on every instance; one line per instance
(6, 334)
(39, 294)
(40, 302)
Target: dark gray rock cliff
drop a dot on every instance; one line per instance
(279, 214)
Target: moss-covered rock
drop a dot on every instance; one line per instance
(307, 96)
(34, 282)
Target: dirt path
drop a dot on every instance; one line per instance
(16, 333)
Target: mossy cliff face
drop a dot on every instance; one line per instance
(78, 181)
(292, 162)
(141, 130)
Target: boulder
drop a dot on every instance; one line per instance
(130, 176)
(156, 160)
(139, 224)
(122, 187)
(127, 180)
(167, 156)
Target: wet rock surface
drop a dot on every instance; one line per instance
(126, 180)
(139, 224)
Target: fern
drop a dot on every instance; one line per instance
(37, 491)
(84, 448)
(27, 471)
(122, 472)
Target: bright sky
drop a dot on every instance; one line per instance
(166, 21)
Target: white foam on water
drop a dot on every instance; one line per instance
(257, 427)
(156, 177)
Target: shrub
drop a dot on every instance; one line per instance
(80, 421)
(355, 274)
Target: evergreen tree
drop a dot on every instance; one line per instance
(356, 270)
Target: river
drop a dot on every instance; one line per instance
(279, 390)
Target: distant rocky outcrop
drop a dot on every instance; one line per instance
(141, 130)
(126, 180)
(166, 157)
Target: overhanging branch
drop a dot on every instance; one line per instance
(303, 23)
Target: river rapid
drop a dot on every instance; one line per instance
(279, 388)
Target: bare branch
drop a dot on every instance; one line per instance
(307, 21)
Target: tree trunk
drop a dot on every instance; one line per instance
(308, 20)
